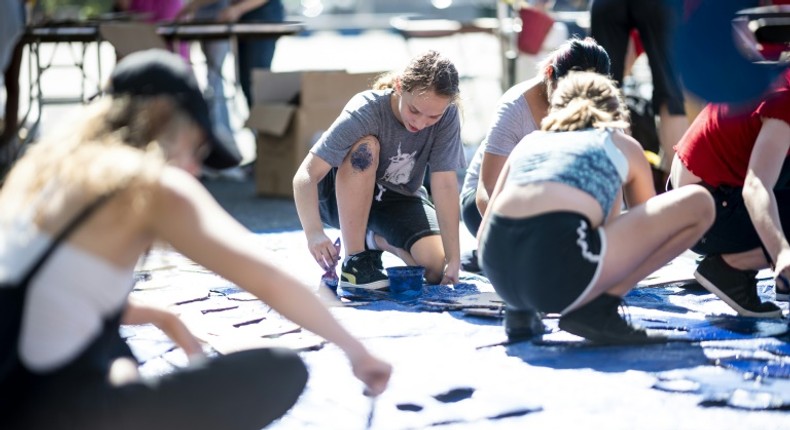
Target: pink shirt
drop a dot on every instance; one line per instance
(159, 11)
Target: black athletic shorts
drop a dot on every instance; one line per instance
(400, 219)
(548, 262)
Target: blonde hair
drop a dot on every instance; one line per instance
(111, 147)
(585, 100)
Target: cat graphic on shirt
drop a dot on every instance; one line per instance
(399, 170)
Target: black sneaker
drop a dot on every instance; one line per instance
(522, 324)
(738, 288)
(469, 262)
(364, 270)
(599, 321)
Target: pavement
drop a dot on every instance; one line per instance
(453, 365)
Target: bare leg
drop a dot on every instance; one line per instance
(354, 185)
(427, 252)
(749, 260)
(666, 225)
(382, 244)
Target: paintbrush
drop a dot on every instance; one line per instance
(372, 411)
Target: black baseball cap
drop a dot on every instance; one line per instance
(156, 72)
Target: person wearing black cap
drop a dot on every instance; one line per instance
(76, 213)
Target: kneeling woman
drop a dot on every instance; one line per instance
(554, 239)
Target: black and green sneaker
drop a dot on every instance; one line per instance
(364, 270)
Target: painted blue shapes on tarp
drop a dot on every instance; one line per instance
(757, 367)
(722, 327)
(747, 399)
(683, 329)
(434, 298)
(783, 349)
(708, 61)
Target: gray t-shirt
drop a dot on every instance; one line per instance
(404, 155)
(512, 121)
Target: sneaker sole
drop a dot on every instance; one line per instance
(738, 308)
(598, 338)
(378, 285)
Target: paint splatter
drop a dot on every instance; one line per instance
(455, 395)
(513, 414)
(361, 158)
(410, 407)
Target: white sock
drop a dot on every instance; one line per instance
(370, 241)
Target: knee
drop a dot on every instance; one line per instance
(703, 205)
(364, 155)
(434, 269)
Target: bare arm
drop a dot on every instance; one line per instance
(638, 187)
(186, 216)
(444, 188)
(312, 170)
(765, 164)
(190, 8)
(498, 189)
(490, 168)
(233, 12)
(168, 322)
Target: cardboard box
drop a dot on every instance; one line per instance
(289, 113)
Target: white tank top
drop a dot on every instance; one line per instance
(67, 300)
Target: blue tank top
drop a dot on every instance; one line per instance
(587, 160)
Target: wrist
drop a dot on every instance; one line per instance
(354, 349)
(313, 231)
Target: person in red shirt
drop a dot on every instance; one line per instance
(739, 153)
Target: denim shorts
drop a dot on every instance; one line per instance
(733, 230)
(547, 262)
(400, 219)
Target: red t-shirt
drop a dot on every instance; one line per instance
(718, 144)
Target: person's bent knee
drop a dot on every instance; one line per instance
(364, 155)
(708, 206)
(701, 203)
(434, 270)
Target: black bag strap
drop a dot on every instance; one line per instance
(84, 214)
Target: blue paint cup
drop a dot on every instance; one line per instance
(405, 281)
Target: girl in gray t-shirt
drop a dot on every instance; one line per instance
(365, 175)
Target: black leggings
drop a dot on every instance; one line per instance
(611, 22)
(244, 390)
(470, 215)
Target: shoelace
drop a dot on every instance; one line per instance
(749, 294)
(370, 261)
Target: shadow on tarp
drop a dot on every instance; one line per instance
(728, 387)
(432, 298)
(611, 359)
(658, 298)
